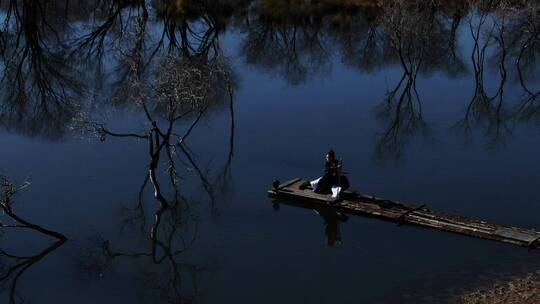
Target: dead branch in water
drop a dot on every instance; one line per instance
(21, 263)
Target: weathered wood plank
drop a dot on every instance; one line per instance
(357, 203)
(289, 183)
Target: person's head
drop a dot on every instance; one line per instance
(330, 156)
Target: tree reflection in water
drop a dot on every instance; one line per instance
(46, 64)
(161, 263)
(483, 108)
(508, 34)
(402, 109)
(192, 79)
(287, 44)
(527, 42)
(14, 265)
(40, 89)
(174, 227)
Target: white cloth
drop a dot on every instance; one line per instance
(335, 190)
(314, 183)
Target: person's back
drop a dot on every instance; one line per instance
(330, 176)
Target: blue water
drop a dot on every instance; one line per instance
(249, 252)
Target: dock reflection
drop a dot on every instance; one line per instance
(331, 219)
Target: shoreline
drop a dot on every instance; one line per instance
(522, 289)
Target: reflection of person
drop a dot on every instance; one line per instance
(332, 181)
(332, 220)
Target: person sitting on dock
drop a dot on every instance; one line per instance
(332, 181)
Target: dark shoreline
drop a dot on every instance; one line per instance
(518, 289)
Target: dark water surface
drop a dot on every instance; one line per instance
(425, 103)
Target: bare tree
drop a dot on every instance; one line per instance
(39, 83)
(12, 270)
(483, 108)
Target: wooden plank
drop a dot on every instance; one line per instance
(532, 244)
(357, 203)
(289, 183)
(516, 234)
(404, 214)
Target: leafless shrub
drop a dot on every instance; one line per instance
(190, 83)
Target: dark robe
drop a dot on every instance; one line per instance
(331, 178)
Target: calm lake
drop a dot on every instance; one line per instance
(150, 131)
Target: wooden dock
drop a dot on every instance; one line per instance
(361, 204)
